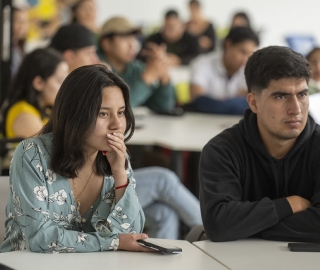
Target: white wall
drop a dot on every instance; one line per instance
(275, 18)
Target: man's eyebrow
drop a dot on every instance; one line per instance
(282, 93)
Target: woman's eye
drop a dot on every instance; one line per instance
(121, 113)
(103, 114)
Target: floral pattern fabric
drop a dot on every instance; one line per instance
(42, 214)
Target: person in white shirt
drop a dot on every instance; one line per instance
(217, 79)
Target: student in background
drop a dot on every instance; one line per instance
(80, 194)
(84, 13)
(201, 28)
(314, 59)
(240, 19)
(20, 26)
(261, 177)
(32, 93)
(149, 82)
(181, 46)
(77, 45)
(217, 79)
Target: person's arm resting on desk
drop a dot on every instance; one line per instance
(227, 217)
(44, 229)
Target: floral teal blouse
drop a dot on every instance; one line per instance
(42, 213)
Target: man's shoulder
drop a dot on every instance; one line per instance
(229, 138)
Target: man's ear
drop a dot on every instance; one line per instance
(252, 100)
(38, 83)
(105, 44)
(227, 44)
(68, 56)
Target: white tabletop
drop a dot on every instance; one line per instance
(253, 254)
(191, 258)
(189, 132)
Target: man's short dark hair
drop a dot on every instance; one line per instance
(274, 63)
(241, 34)
(72, 37)
(171, 13)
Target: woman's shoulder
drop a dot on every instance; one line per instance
(23, 106)
(42, 143)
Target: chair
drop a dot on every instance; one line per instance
(197, 233)
(6, 145)
(4, 193)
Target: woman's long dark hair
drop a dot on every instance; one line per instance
(74, 116)
(40, 62)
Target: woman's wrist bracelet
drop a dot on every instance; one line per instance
(118, 187)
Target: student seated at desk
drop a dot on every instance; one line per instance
(261, 177)
(217, 79)
(164, 198)
(314, 59)
(201, 28)
(72, 187)
(181, 46)
(32, 93)
(150, 82)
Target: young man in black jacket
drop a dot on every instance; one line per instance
(261, 177)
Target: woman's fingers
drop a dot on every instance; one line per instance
(129, 242)
(117, 140)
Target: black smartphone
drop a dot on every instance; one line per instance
(178, 111)
(304, 247)
(161, 246)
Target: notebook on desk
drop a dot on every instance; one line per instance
(314, 107)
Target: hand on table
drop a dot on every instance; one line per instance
(129, 242)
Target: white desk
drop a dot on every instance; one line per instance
(191, 258)
(253, 254)
(189, 132)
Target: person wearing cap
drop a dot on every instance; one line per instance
(77, 44)
(217, 83)
(149, 83)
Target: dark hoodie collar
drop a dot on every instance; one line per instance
(249, 129)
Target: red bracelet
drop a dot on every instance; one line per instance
(121, 186)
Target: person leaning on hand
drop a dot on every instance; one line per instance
(265, 181)
(72, 187)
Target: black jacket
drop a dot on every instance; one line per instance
(186, 48)
(243, 189)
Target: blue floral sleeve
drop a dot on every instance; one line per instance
(42, 214)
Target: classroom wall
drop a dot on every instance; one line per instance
(275, 19)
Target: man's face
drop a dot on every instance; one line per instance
(281, 108)
(121, 48)
(236, 55)
(173, 29)
(82, 57)
(20, 24)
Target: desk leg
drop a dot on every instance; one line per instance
(177, 163)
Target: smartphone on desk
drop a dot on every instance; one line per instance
(158, 245)
(304, 247)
